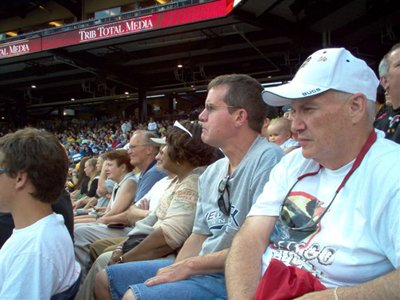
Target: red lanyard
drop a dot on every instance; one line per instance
(370, 141)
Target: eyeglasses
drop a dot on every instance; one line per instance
(222, 187)
(212, 107)
(132, 147)
(3, 170)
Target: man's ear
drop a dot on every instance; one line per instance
(358, 107)
(21, 179)
(241, 116)
(266, 123)
(384, 83)
(149, 150)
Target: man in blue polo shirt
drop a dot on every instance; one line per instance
(142, 152)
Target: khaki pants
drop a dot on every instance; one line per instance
(104, 245)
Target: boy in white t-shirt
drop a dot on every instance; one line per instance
(37, 261)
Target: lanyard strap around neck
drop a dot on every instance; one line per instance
(370, 141)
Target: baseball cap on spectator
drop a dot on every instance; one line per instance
(326, 69)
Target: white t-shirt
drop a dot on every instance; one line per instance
(38, 261)
(155, 193)
(358, 239)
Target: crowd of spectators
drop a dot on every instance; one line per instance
(90, 138)
(83, 138)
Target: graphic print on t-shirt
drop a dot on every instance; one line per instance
(295, 229)
(298, 221)
(217, 220)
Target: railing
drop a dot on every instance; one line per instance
(93, 22)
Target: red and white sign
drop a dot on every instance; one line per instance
(20, 47)
(169, 18)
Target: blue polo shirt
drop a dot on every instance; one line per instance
(147, 179)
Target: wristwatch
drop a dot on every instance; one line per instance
(120, 260)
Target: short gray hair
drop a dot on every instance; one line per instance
(384, 65)
(371, 105)
(146, 137)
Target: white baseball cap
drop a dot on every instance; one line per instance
(326, 69)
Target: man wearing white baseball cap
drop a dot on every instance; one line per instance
(327, 224)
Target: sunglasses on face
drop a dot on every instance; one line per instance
(302, 216)
(299, 218)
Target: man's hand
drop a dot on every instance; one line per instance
(175, 272)
(100, 209)
(115, 257)
(102, 220)
(144, 204)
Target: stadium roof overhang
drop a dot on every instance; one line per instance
(266, 39)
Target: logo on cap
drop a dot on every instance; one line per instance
(311, 92)
(305, 62)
